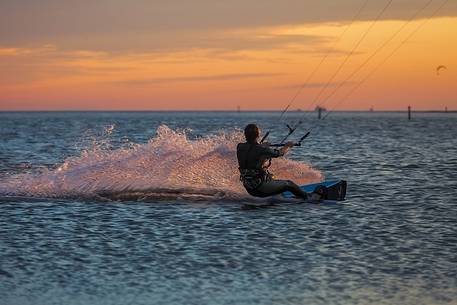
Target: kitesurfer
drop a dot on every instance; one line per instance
(253, 165)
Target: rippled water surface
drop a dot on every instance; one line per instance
(393, 241)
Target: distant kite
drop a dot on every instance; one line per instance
(439, 68)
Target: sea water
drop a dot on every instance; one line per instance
(393, 241)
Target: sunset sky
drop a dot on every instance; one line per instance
(216, 55)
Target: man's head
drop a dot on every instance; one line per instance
(251, 132)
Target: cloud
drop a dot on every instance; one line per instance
(89, 24)
(22, 65)
(12, 51)
(316, 85)
(205, 78)
(21, 51)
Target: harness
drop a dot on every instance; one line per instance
(253, 178)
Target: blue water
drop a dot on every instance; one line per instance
(393, 241)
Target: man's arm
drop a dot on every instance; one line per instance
(286, 147)
(275, 153)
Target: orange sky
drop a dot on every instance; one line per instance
(257, 65)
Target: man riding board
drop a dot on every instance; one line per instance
(253, 162)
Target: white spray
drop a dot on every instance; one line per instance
(169, 161)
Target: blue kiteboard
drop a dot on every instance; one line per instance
(334, 190)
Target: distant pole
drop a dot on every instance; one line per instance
(445, 109)
(319, 113)
(238, 109)
(409, 113)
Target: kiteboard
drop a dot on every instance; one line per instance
(332, 192)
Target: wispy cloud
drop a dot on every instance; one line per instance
(50, 20)
(22, 51)
(219, 77)
(315, 85)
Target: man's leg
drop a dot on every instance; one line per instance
(275, 187)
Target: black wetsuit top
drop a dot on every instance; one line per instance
(252, 159)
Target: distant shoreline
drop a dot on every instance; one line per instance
(231, 111)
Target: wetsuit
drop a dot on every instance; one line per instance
(252, 161)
